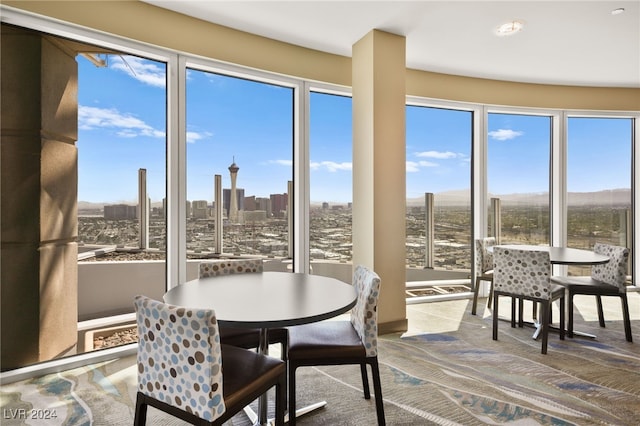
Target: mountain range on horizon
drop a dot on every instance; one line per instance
(461, 197)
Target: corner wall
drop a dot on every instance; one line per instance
(39, 190)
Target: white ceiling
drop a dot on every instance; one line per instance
(563, 42)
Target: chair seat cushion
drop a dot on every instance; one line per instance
(585, 284)
(246, 372)
(325, 340)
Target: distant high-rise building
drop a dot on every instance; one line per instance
(325, 205)
(263, 203)
(226, 199)
(250, 203)
(233, 201)
(279, 204)
(120, 211)
(200, 209)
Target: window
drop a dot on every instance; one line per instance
(598, 182)
(330, 135)
(518, 158)
(242, 131)
(121, 145)
(438, 155)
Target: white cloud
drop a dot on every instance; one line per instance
(504, 134)
(193, 137)
(287, 163)
(442, 155)
(415, 166)
(330, 166)
(143, 70)
(412, 167)
(125, 125)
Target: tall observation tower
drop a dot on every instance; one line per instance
(233, 202)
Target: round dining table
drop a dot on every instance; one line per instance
(266, 300)
(563, 255)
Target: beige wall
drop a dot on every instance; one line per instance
(143, 22)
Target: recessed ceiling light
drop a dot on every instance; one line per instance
(510, 28)
(617, 11)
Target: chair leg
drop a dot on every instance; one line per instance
(600, 311)
(495, 317)
(292, 393)
(546, 307)
(520, 312)
(626, 318)
(513, 312)
(281, 401)
(140, 417)
(562, 314)
(365, 380)
(570, 309)
(490, 294)
(377, 389)
(476, 289)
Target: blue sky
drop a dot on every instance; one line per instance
(122, 123)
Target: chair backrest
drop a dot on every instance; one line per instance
(613, 272)
(484, 258)
(364, 316)
(522, 272)
(179, 357)
(213, 268)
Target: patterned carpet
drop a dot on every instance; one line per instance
(445, 371)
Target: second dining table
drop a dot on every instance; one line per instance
(562, 256)
(266, 300)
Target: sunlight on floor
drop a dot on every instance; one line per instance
(446, 316)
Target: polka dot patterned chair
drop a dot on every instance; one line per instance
(484, 269)
(526, 274)
(185, 371)
(214, 268)
(342, 342)
(609, 279)
(243, 337)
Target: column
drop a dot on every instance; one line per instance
(39, 256)
(379, 175)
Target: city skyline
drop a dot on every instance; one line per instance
(122, 122)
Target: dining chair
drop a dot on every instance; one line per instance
(526, 274)
(341, 342)
(608, 279)
(185, 371)
(242, 337)
(484, 269)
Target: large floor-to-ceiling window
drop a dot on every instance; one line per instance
(439, 143)
(242, 131)
(121, 152)
(599, 165)
(330, 179)
(518, 177)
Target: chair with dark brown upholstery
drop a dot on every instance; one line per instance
(242, 337)
(608, 279)
(185, 371)
(526, 274)
(341, 342)
(484, 269)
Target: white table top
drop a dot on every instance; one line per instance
(267, 299)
